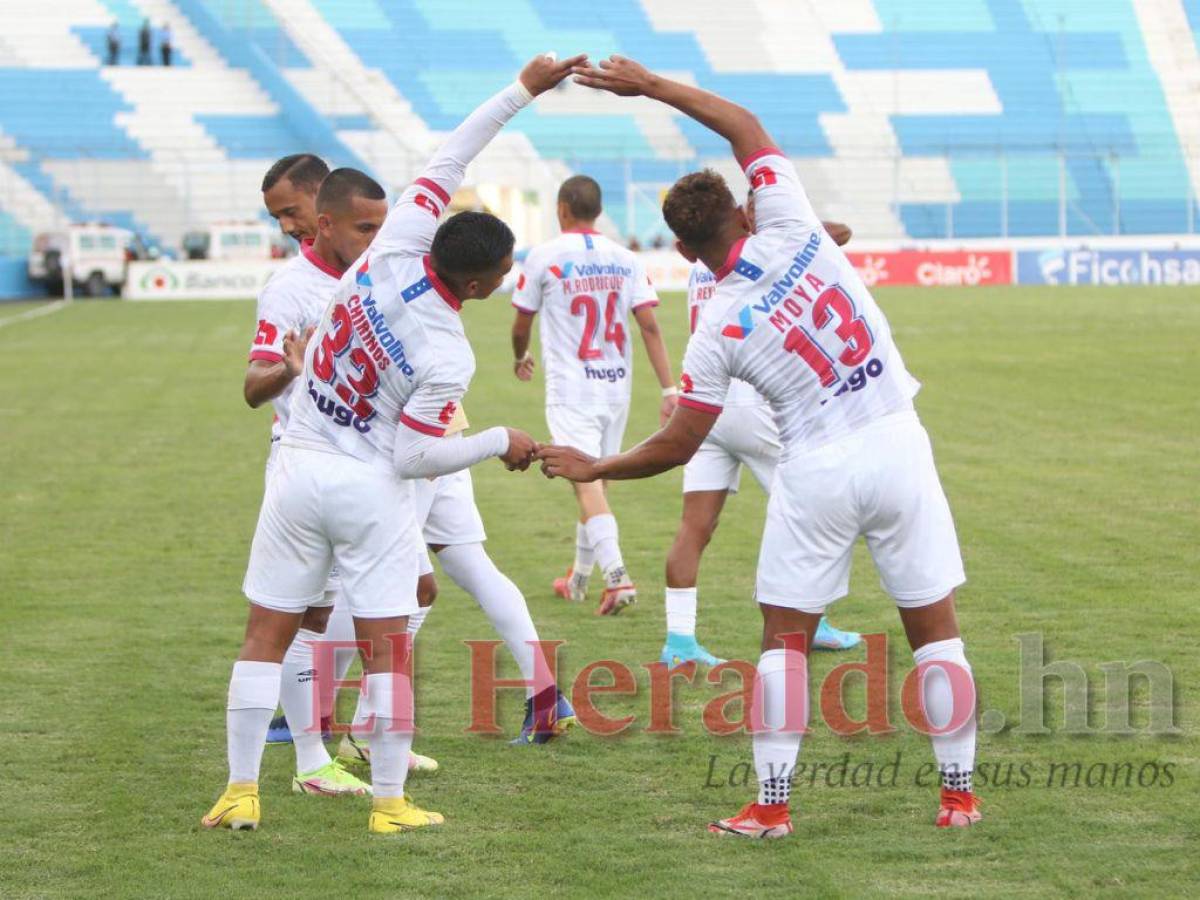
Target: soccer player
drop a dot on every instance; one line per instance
(586, 286)
(332, 229)
(383, 374)
(448, 516)
(745, 435)
(792, 317)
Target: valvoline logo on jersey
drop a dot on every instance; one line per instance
(780, 288)
(1108, 267)
(569, 270)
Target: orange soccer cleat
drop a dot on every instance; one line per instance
(959, 809)
(615, 599)
(756, 820)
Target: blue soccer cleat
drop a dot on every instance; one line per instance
(830, 638)
(682, 648)
(548, 725)
(278, 732)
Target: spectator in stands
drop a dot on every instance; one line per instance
(658, 242)
(143, 57)
(633, 243)
(113, 39)
(164, 43)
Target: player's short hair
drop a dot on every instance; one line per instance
(303, 170)
(697, 206)
(582, 196)
(343, 185)
(471, 243)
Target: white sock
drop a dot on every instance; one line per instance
(585, 556)
(469, 566)
(297, 685)
(602, 532)
(955, 752)
(341, 629)
(417, 619)
(253, 696)
(783, 681)
(681, 611)
(389, 747)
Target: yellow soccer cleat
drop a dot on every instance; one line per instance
(391, 815)
(237, 809)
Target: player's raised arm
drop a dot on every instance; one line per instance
(413, 221)
(626, 78)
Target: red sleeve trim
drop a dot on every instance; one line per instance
(759, 154)
(406, 419)
(268, 355)
(437, 189)
(646, 304)
(700, 407)
(735, 253)
(522, 310)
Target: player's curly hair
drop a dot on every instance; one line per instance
(697, 206)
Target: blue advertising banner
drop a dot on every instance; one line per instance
(1115, 267)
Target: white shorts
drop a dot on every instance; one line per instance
(333, 583)
(446, 510)
(879, 482)
(322, 508)
(742, 435)
(596, 430)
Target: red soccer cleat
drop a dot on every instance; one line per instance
(615, 599)
(756, 821)
(570, 588)
(959, 810)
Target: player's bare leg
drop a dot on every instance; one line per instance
(386, 710)
(934, 637)
(601, 529)
(253, 696)
(701, 513)
(783, 688)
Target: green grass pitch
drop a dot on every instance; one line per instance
(1065, 427)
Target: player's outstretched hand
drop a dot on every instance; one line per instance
(544, 71)
(523, 368)
(522, 450)
(566, 462)
(293, 350)
(617, 74)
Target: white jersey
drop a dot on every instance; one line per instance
(702, 285)
(390, 349)
(585, 286)
(292, 300)
(792, 317)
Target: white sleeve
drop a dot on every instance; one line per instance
(418, 455)
(705, 377)
(528, 295)
(643, 291)
(413, 221)
(276, 315)
(779, 198)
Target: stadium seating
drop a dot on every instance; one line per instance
(908, 118)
